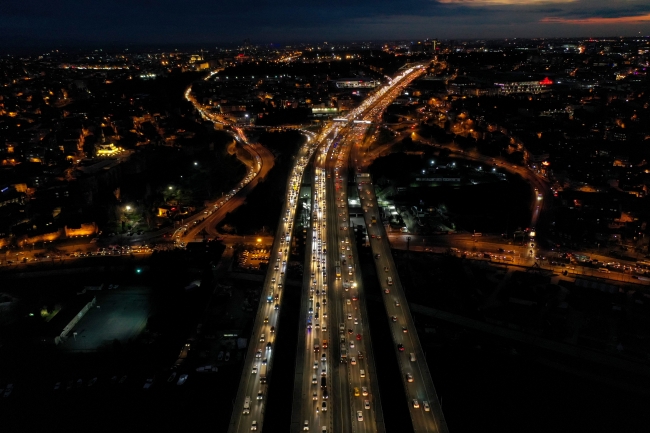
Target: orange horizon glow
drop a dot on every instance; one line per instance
(598, 20)
(504, 2)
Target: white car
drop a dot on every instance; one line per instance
(366, 404)
(426, 406)
(353, 361)
(254, 426)
(359, 415)
(254, 369)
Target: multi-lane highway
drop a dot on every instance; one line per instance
(248, 412)
(314, 363)
(336, 386)
(356, 383)
(424, 406)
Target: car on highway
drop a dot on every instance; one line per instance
(254, 371)
(409, 377)
(258, 354)
(400, 347)
(416, 404)
(254, 426)
(356, 392)
(364, 391)
(359, 415)
(366, 404)
(426, 406)
(393, 318)
(358, 337)
(404, 329)
(353, 361)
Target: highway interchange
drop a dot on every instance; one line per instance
(335, 383)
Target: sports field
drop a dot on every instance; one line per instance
(119, 314)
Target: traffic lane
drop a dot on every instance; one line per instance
(317, 418)
(341, 388)
(415, 389)
(251, 386)
(356, 381)
(345, 392)
(307, 367)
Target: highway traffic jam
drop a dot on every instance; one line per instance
(335, 388)
(253, 390)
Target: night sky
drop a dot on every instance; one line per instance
(30, 23)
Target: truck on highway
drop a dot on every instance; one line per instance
(263, 377)
(316, 345)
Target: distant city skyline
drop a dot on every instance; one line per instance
(39, 23)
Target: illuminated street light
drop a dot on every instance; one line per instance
(128, 208)
(170, 188)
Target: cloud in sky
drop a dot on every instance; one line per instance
(504, 2)
(634, 19)
(217, 21)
